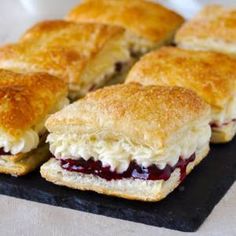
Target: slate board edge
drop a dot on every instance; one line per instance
(36, 196)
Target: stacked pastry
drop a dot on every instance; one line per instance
(128, 140)
(148, 25)
(199, 64)
(26, 102)
(140, 141)
(211, 75)
(213, 29)
(85, 55)
(88, 54)
(137, 140)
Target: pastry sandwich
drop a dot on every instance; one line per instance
(130, 141)
(26, 100)
(148, 25)
(213, 29)
(211, 75)
(86, 56)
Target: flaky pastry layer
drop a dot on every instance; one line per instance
(30, 138)
(148, 115)
(81, 54)
(211, 75)
(25, 162)
(214, 28)
(26, 99)
(224, 133)
(157, 26)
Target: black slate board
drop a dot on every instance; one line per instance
(185, 209)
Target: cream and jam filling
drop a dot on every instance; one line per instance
(215, 125)
(134, 170)
(3, 153)
(42, 139)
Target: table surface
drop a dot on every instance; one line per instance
(20, 217)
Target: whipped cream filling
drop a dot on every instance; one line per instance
(30, 138)
(227, 115)
(119, 153)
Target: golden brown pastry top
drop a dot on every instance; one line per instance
(25, 99)
(211, 75)
(58, 47)
(214, 21)
(146, 115)
(146, 19)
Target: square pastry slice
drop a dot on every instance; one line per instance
(213, 29)
(84, 55)
(26, 100)
(211, 75)
(130, 141)
(148, 25)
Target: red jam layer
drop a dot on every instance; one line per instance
(215, 125)
(134, 171)
(3, 153)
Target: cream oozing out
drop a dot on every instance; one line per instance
(30, 138)
(119, 153)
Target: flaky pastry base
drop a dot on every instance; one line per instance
(223, 134)
(18, 165)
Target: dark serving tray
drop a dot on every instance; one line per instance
(185, 209)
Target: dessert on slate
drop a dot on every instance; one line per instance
(26, 100)
(86, 56)
(148, 25)
(130, 141)
(213, 28)
(211, 75)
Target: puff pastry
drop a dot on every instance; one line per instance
(128, 140)
(211, 75)
(149, 25)
(83, 55)
(214, 29)
(26, 100)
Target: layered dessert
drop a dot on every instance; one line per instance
(86, 55)
(129, 141)
(148, 25)
(211, 75)
(26, 101)
(212, 29)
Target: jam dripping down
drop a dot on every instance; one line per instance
(134, 170)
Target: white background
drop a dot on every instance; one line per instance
(20, 217)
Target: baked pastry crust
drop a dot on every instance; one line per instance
(214, 28)
(158, 23)
(65, 49)
(211, 75)
(26, 99)
(126, 188)
(24, 163)
(150, 115)
(223, 134)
